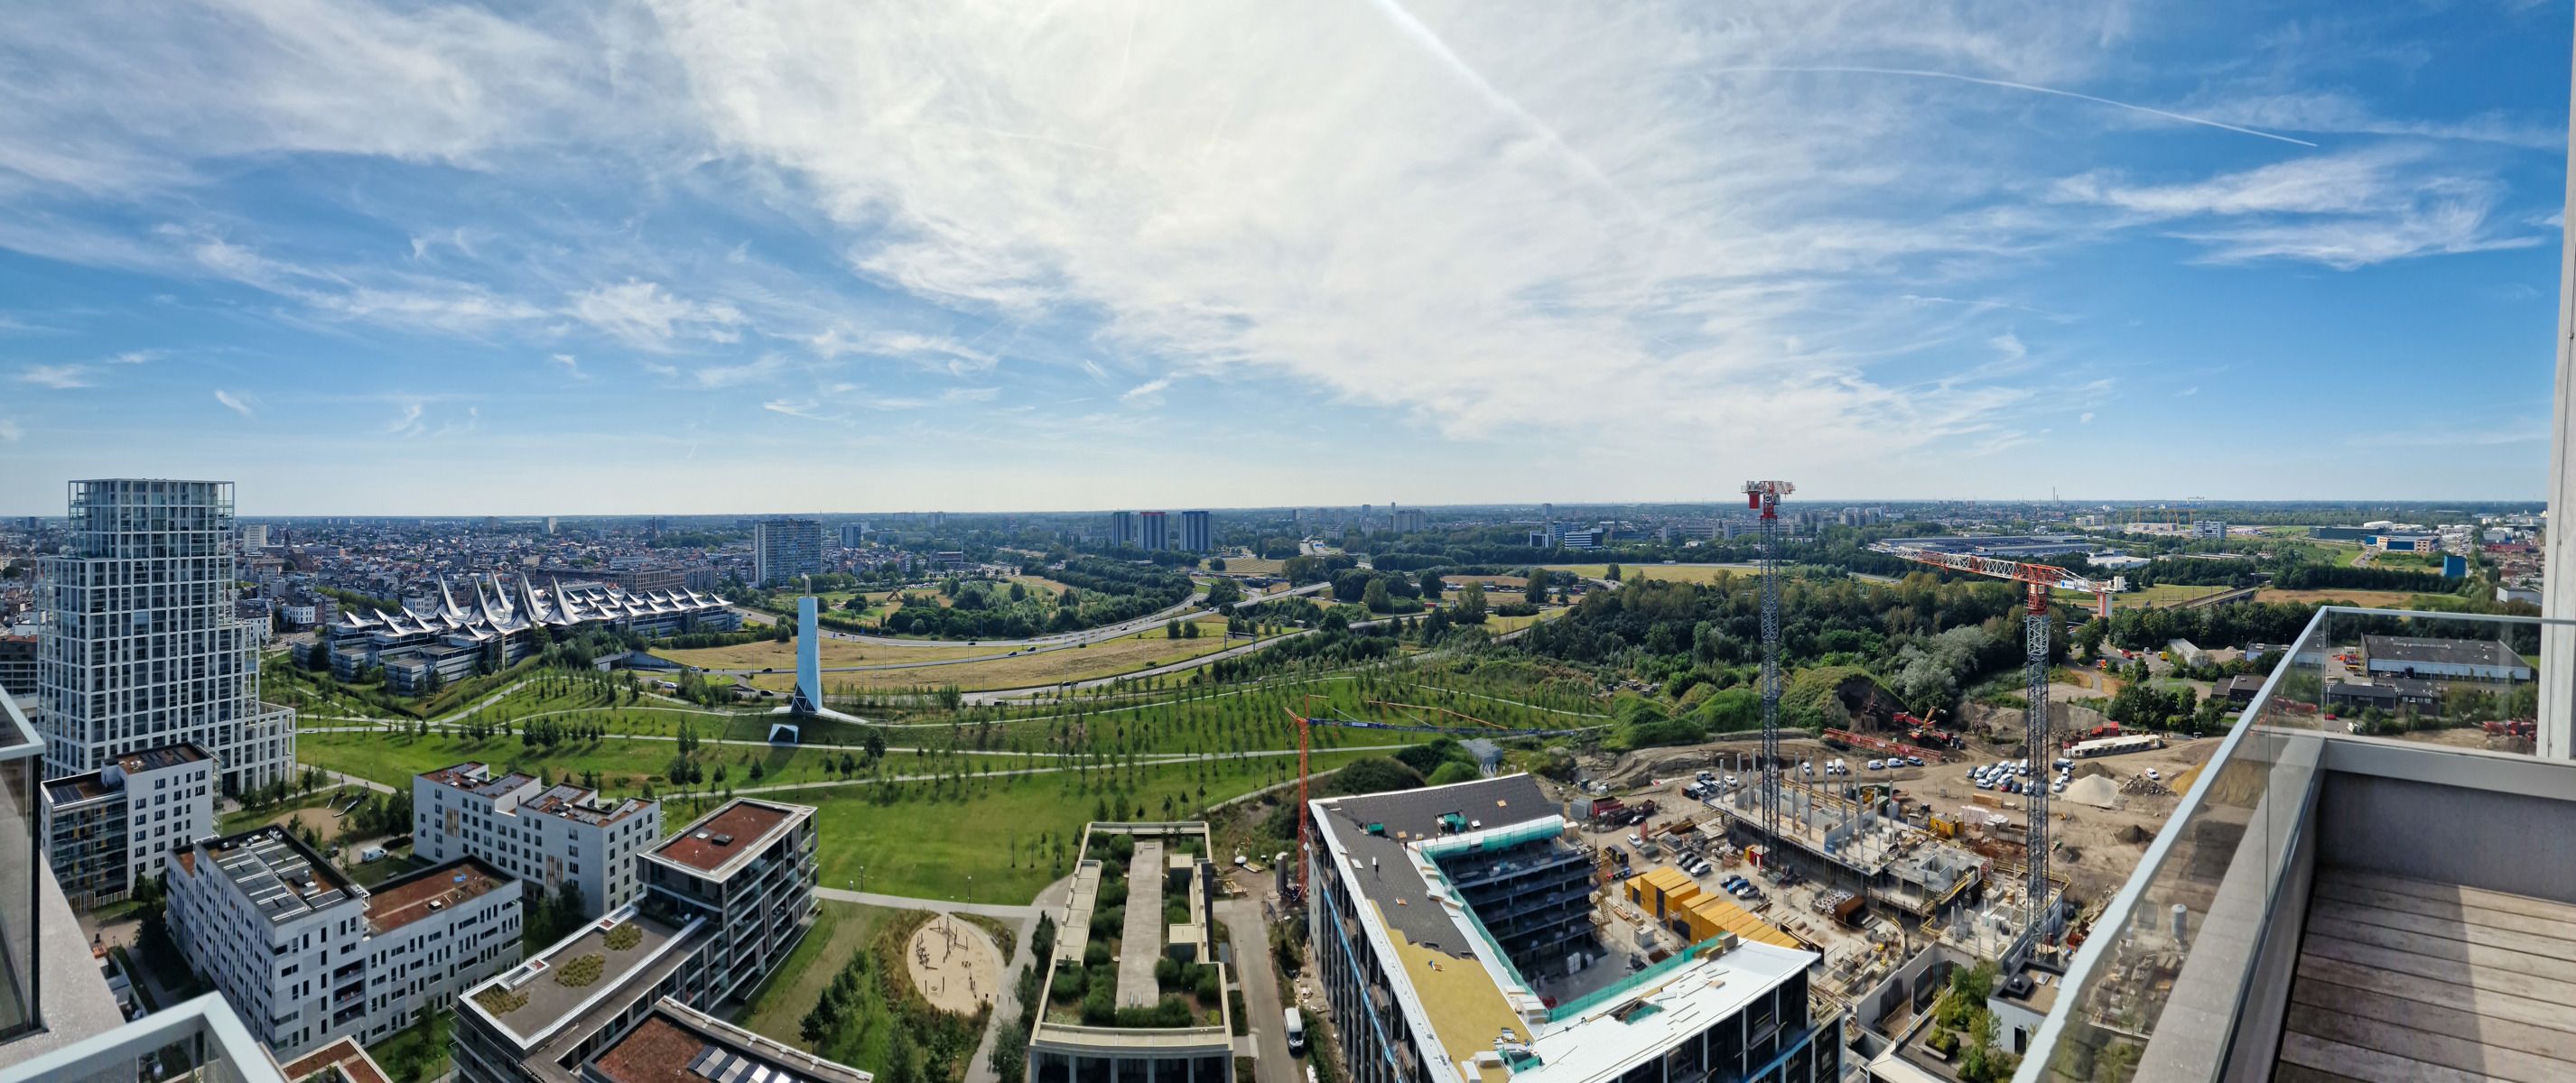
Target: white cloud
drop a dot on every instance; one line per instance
(409, 424)
(58, 377)
(804, 408)
(2085, 419)
(646, 316)
(138, 357)
(753, 371)
(2345, 210)
(236, 401)
(2187, 392)
(1148, 389)
(10, 433)
(571, 365)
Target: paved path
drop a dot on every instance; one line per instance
(937, 906)
(1051, 901)
(1145, 870)
(1271, 1062)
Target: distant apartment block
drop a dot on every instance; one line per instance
(726, 899)
(853, 535)
(1167, 1024)
(1197, 535)
(784, 549)
(1408, 520)
(562, 836)
(254, 537)
(1122, 528)
(306, 955)
(108, 829)
(140, 647)
(1152, 532)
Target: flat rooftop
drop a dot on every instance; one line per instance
(581, 803)
(477, 779)
(282, 878)
(2456, 652)
(729, 834)
(1455, 983)
(71, 789)
(413, 896)
(344, 1057)
(531, 1005)
(674, 1044)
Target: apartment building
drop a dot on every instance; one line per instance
(749, 868)
(725, 901)
(674, 1037)
(1197, 531)
(1122, 528)
(106, 830)
(562, 836)
(1153, 531)
(1141, 1027)
(783, 549)
(138, 646)
(306, 955)
(1457, 943)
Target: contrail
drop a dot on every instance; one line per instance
(2008, 85)
(1457, 65)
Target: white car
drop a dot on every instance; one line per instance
(2152, 775)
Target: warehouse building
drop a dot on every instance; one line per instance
(1457, 944)
(2475, 659)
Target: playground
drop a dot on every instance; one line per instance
(954, 964)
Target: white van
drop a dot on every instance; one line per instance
(1296, 1033)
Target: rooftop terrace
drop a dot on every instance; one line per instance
(413, 896)
(729, 835)
(283, 879)
(534, 1000)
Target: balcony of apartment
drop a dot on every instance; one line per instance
(2369, 880)
(198, 1040)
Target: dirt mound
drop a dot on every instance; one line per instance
(2096, 791)
(2142, 785)
(2134, 835)
(2089, 770)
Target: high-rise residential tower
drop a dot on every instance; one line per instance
(137, 646)
(1195, 533)
(1122, 528)
(782, 549)
(1153, 533)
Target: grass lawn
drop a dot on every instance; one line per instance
(770, 654)
(1254, 566)
(2367, 599)
(416, 1052)
(2159, 596)
(777, 1009)
(1499, 624)
(1107, 658)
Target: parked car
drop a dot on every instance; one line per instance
(1878, 765)
(1914, 761)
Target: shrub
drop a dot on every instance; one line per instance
(624, 937)
(500, 1001)
(581, 971)
(1167, 971)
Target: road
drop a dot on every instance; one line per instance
(1271, 1061)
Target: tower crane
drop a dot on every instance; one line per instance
(1764, 496)
(2038, 735)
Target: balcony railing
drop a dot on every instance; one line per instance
(199, 1040)
(2158, 987)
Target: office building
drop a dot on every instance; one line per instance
(784, 549)
(562, 836)
(492, 629)
(139, 647)
(51, 992)
(1151, 531)
(1179, 1032)
(550, 526)
(306, 955)
(1457, 941)
(254, 537)
(1196, 535)
(726, 899)
(1408, 520)
(106, 830)
(853, 535)
(1122, 528)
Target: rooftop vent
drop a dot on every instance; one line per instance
(724, 840)
(437, 905)
(701, 836)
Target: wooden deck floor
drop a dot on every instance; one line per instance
(2406, 980)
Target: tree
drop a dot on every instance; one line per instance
(1471, 603)
(1375, 596)
(1431, 584)
(1536, 593)
(876, 745)
(1611, 573)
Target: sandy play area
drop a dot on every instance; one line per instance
(954, 964)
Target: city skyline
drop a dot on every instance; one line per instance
(443, 261)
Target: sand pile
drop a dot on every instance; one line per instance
(2088, 770)
(2134, 835)
(2095, 790)
(2141, 784)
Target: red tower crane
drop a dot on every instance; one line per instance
(2038, 736)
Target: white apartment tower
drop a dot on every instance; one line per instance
(783, 549)
(137, 646)
(556, 836)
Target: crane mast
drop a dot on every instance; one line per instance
(2039, 737)
(1764, 497)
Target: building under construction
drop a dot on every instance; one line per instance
(1459, 939)
(1901, 867)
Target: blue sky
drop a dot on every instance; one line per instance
(664, 257)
